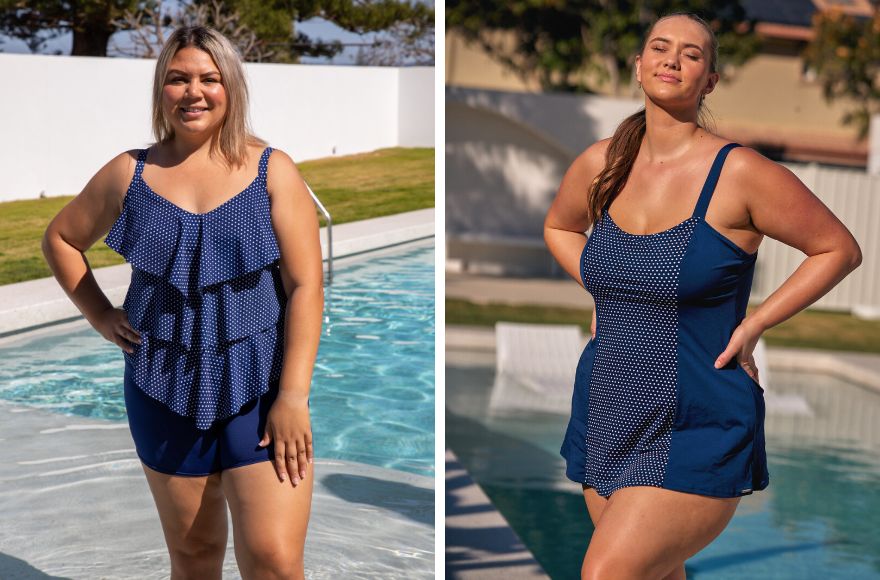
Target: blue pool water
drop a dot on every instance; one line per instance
(817, 519)
(372, 397)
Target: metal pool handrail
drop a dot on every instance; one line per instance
(329, 233)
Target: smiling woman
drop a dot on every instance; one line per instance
(220, 327)
(666, 432)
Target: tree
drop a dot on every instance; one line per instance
(92, 22)
(845, 53)
(272, 23)
(403, 43)
(579, 45)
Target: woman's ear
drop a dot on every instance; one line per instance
(710, 84)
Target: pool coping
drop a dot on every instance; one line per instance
(857, 367)
(30, 305)
(480, 544)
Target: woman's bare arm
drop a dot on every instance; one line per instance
(567, 219)
(784, 209)
(296, 227)
(74, 229)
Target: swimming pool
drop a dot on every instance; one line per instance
(372, 396)
(817, 519)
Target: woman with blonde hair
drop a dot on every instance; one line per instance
(221, 323)
(666, 431)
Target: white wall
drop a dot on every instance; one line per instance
(415, 97)
(63, 117)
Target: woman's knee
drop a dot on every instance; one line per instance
(275, 560)
(619, 566)
(197, 559)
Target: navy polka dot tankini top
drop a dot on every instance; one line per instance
(649, 406)
(206, 297)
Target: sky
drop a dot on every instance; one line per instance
(316, 28)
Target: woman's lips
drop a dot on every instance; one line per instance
(192, 114)
(668, 79)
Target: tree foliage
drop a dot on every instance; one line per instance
(267, 27)
(845, 53)
(563, 43)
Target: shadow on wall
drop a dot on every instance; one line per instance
(500, 177)
(506, 154)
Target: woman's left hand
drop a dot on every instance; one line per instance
(740, 347)
(289, 426)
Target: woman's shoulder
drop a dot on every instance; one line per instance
(592, 159)
(280, 165)
(748, 165)
(116, 175)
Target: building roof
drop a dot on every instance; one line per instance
(790, 12)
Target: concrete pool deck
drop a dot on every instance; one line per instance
(75, 504)
(75, 500)
(480, 544)
(35, 303)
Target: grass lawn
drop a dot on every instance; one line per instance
(353, 187)
(809, 329)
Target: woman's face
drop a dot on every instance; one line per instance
(193, 95)
(675, 66)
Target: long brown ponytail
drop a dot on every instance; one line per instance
(627, 139)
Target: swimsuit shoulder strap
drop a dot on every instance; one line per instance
(712, 180)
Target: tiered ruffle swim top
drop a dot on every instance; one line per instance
(205, 296)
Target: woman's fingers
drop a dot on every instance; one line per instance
(280, 461)
(292, 464)
(310, 452)
(302, 458)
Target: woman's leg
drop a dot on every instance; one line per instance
(596, 506)
(269, 520)
(193, 515)
(648, 532)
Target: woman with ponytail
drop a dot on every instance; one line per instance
(667, 421)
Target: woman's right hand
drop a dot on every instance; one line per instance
(113, 325)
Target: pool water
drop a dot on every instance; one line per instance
(817, 519)
(372, 395)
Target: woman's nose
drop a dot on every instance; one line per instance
(193, 89)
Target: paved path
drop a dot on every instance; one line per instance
(539, 291)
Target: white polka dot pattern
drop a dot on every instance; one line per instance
(633, 279)
(206, 297)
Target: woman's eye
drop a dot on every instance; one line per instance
(693, 57)
(658, 49)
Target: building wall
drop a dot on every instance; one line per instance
(64, 117)
(506, 154)
(766, 103)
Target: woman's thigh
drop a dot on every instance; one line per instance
(269, 517)
(646, 532)
(192, 511)
(595, 504)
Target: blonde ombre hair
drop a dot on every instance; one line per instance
(235, 133)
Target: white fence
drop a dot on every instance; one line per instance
(506, 154)
(63, 117)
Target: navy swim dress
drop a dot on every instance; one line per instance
(207, 299)
(649, 407)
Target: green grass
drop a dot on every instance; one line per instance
(353, 187)
(809, 329)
